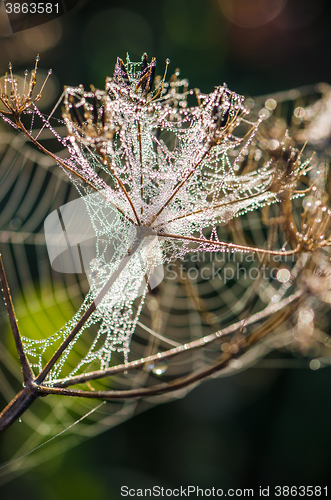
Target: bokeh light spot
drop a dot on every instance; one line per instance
(252, 13)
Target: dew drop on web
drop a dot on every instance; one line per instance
(158, 367)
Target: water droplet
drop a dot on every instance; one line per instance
(309, 203)
(283, 275)
(273, 144)
(20, 420)
(264, 114)
(26, 72)
(306, 315)
(158, 367)
(315, 364)
(249, 103)
(270, 104)
(299, 112)
(38, 58)
(50, 71)
(236, 364)
(167, 60)
(10, 66)
(15, 223)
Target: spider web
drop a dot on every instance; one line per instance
(32, 187)
(180, 310)
(182, 188)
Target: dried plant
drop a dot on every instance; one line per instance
(169, 177)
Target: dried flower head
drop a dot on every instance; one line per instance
(15, 102)
(169, 166)
(173, 164)
(166, 165)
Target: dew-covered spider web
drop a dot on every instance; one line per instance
(145, 162)
(218, 184)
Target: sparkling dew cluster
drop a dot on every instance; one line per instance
(172, 163)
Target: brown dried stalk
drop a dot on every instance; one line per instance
(35, 387)
(308, 238)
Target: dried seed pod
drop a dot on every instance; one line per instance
(76, 115)
(95, 110)
(220, 116)
(147, 76)
(144, 64)
(120, 73)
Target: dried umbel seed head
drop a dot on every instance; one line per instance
(14, 100)
(316, 276)
(166, 175)
(139, 78)
(315, 222)
(88, 118)
(225, 111)
(285, 160)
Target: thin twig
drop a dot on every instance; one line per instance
(124, 261)
(180, 185)
(201, 342)
(26, 369)
(17, 406)
(230, 245)
(232, 202)
(64, 165)
(141, 165)
(121, 185)
(50, 115)
(182, 382)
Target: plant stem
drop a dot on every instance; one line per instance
(233, 246)
(65, 166)
(270, 310)
(121, 185)
(17, 407)
(21, 402)
(183, 382)
(124, 261)
(29, 394)
(27, 372)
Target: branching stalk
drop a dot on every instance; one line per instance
(195, 344)
(26, 369)
(180, 185)
(64, 165)
(124, 261)
(195, 377)
(233, 246)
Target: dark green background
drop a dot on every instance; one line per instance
(261, 427)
